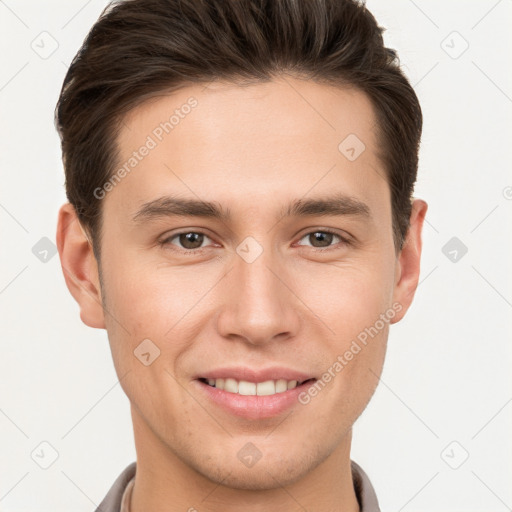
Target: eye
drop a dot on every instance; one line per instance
(323, 238)
(186, 240)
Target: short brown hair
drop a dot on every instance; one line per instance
(139, 48)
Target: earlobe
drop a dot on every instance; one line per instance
(79, 267)
(408, 262)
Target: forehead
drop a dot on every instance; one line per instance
(230, 143)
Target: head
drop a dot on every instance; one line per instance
(241, 176)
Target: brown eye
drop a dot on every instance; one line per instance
(189, 240)
(321, 238)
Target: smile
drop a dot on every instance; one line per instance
(246, 388)
(253, 394)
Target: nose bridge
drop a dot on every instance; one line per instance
(259, 306)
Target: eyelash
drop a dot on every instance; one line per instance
(167, 241)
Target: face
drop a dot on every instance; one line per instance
(249, 276)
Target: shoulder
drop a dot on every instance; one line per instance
(364, 489)
(112, 501)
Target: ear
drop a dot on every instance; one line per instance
(79, 267)
(408, 261)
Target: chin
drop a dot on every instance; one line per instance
(277, 466)
(263, 476)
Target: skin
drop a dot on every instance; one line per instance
(300, 304)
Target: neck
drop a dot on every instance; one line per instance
(164, 482)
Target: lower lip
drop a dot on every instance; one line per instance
(253, 407)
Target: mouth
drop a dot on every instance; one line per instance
(246, 388)
(253, 394)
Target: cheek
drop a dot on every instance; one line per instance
(156, 314)
(148, 333)
(354, 304)
(349, 379)
(347, 296)
(152, 301)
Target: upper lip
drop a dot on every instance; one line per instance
(256, 375)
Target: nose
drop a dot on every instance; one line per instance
(259, 305)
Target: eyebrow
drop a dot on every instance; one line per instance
(168, 206)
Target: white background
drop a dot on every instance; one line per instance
(447, 372)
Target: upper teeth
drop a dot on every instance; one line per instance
(242, 387)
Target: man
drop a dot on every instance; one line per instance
(241, 222)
